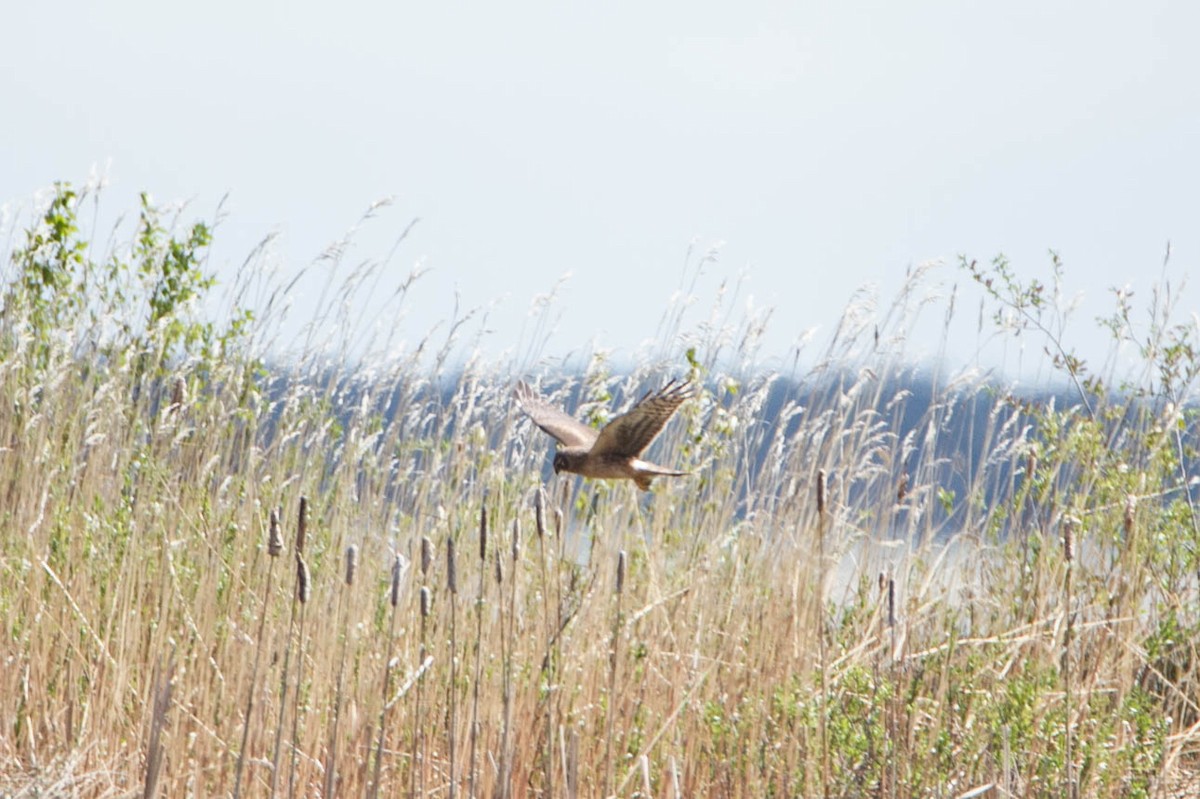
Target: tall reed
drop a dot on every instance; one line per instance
(753, 650)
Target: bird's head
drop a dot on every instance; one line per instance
(560, 462)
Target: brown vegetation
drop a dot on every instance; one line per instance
(743, 632)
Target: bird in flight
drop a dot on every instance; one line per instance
(613, 452)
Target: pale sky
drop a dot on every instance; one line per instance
(825, 144)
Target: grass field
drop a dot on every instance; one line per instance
(227, 575)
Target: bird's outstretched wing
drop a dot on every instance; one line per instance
(567, 429)
(630, 433)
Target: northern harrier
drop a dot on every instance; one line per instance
(614, 451)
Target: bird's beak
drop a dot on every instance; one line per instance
(556, 469)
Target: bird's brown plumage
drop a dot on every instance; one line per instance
(614, 451)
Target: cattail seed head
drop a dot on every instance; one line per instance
(274, 536)
(902, 490)
(178, 393)
(302, 526)
(351, 563)
(426, 555)
(516, 541)
(1130, 510)
(821, 492)
(483, 527)
(620, 571)
(558, 523)
(499, 569)
(1068, 538)
(302, 582)
(891, 599)
(425, 599)
(397, 568)
(539, 512)
(451, 568)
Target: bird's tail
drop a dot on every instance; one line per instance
(648, 471)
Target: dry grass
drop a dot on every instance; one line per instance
(732, 634)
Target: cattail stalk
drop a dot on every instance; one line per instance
(178, 395)
(819, 605)
(516, 540)
(507, 630)
(1068, 541)
(302, 526)
(351, 564)
(619, 590)
(539, 512)
(419, 732)
(274, 547)
(274, 535)
(343, 610)
(425, 605)
(394, 601)
(893, 711)
(164, 684)
(452, 585)
(570, 764)
(551, 622)
(891, 603)
(303, 593)
(301, 532)
(474, 734)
